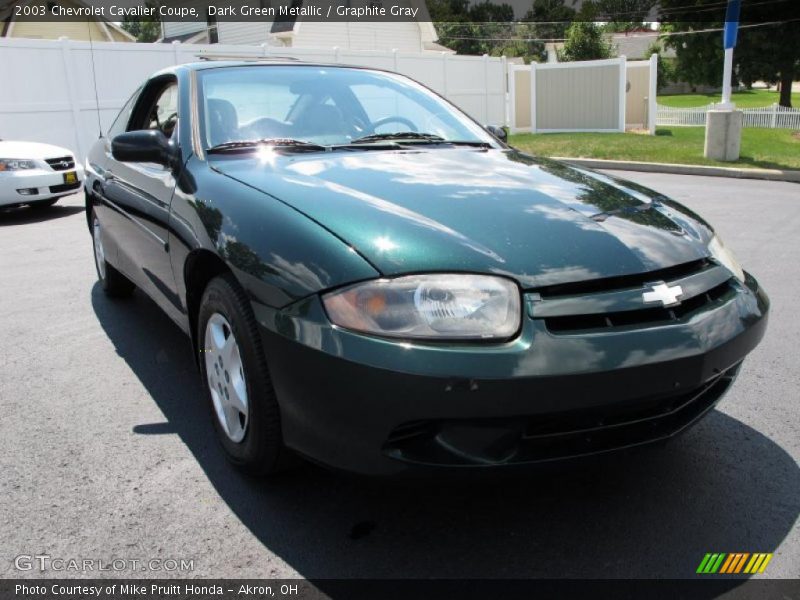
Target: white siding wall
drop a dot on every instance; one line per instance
(244, 32)
(404, 36)
(173, 28)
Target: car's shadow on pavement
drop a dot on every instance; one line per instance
(723, 487)
(29, 214)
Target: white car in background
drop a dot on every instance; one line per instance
(36, 174)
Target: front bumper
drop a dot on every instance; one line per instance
(376, 406)
(47, 184)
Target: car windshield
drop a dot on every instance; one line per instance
(326, 106)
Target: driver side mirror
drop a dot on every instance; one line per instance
(498, 132)
(148, 145)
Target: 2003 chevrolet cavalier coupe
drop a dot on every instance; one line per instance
(371, 279)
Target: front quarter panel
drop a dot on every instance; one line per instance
(277, 253)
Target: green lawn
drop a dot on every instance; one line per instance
(745, 99)
(761, 148)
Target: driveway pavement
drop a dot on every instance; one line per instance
(106, 450)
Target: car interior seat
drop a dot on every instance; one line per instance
(223, 122)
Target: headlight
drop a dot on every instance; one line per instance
(16, 164)
(429, 307)
(725, 257)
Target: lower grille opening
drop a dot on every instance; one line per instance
(641, 318)
(64, 187)
(530, 439)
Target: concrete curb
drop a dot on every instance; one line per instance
(648, 167)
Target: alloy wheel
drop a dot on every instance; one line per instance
(226, 380)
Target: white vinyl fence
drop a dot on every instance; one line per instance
(771, 117)
(48, 87)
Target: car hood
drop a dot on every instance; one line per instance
(538, 221)
(31, 150)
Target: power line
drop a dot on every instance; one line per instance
(653, 34)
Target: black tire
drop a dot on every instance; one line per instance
(114, 283)
(261, 451)
(44, 203)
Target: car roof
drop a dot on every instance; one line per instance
(204, 65)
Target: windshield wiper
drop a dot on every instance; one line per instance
(282, 143)
(425, 138)
(400, 135)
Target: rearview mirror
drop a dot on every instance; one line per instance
(498, 132)
(149, 145)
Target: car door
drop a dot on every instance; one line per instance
(140, 194)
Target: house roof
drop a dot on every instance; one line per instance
(635, 44)
(287, 25)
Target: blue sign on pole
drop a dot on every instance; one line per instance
(732, 22)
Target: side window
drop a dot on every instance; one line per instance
(120, 124)
(164, 113)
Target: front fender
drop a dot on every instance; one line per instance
(278, 254)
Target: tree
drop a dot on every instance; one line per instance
(769, 52)
(550, 18)
(585, 41)
(484, 28)
(621, 15)
(144, 29)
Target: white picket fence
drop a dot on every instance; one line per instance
(771, 117)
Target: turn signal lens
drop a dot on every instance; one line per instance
(725, 257)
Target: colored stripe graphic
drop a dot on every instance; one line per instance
(711, 563)
(734, 563)
(758, 563)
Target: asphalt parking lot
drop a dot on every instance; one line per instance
(106, 450)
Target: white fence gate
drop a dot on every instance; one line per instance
(771, 117)
(48, 87)
(595, 95)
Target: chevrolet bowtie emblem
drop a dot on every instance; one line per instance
(663, 293)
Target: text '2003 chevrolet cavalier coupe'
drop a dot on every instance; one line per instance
(372, 280)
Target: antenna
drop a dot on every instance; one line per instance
(94, 80)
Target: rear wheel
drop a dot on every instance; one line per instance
(239, 390)
(114, 283)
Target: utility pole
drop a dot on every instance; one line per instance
(724, 123)
(729, 42)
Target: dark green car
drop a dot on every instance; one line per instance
(374, 281)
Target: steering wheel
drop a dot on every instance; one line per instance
(395, 119)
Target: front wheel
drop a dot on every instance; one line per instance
(239, 390)
(114, 283)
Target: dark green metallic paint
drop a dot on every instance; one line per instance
(291, 226)
(487, 211)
